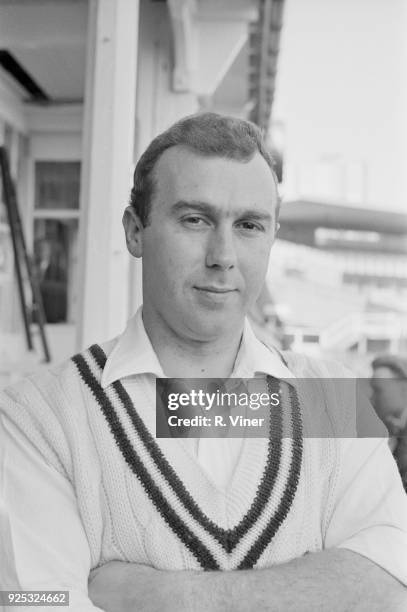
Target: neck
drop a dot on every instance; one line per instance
(184, 357)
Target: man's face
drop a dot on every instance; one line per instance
(205, 251)
(388, 396)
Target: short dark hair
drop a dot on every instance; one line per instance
(206, 134)
(396, 364)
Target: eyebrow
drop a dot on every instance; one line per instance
(207, 208)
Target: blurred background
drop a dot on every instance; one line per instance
(86, 84)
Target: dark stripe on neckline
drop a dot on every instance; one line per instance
(227, 538)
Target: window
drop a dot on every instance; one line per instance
(56, 224)
(375, 345)
(57, 185)
(311, 338)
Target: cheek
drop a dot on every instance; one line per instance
(254, 264)
(167, 274)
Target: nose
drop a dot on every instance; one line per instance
(221, 249)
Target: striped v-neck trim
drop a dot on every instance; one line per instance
(214, 547)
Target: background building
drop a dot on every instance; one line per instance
(340, 274)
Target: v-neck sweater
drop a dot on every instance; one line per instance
(148, 500)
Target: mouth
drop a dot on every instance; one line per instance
(216, 290)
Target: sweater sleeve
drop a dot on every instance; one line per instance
(43, 545)
(366, 511)
(368, 506)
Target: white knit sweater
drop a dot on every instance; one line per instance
(149, 501)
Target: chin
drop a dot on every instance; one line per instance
(215, 326)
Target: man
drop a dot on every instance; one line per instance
(389, 399)
(195, 524)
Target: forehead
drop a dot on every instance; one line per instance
(181, 174)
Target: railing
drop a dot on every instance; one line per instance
(341, 333)
(352, 329)
(358, 326)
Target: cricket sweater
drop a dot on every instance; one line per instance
(147, 500)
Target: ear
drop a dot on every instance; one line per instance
(277, 214)
(133, 229)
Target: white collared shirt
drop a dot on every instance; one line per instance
(253, 358)
(218, 457)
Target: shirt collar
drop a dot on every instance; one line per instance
(133, 354)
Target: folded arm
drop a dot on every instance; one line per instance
(332, 581)
(363, 565)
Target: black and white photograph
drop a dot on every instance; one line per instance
(203, 305)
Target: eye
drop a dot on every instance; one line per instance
(250, 226)
(193, 220)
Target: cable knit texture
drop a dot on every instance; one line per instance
(148, 500)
